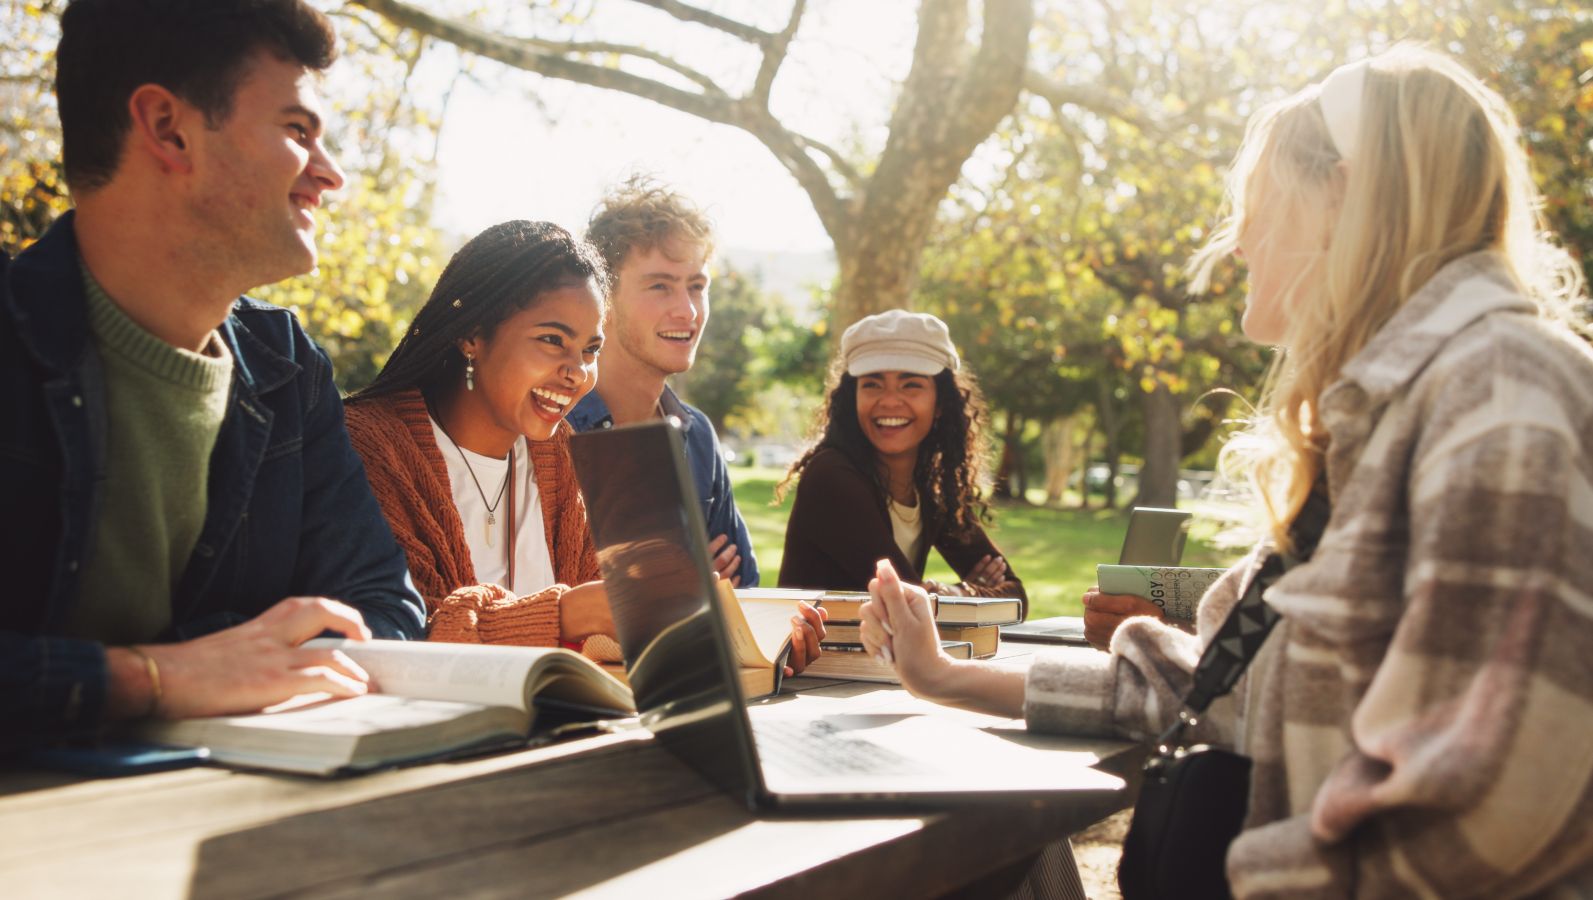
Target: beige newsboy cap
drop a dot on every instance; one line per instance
(898, 341)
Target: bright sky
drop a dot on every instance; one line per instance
(501, 157)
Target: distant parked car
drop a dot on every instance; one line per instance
(774, 456)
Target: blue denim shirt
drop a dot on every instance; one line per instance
(288, 513)
(707, 464)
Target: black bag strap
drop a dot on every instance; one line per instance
(1241, 635)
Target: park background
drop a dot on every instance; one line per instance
(1035, 172)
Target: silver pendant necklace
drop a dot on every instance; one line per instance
(492, 507)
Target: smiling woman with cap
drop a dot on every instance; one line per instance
(896, 468)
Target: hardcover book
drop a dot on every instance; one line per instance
(851, 662)
(430, 700)
(1176, 589)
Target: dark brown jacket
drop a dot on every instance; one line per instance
(838, 529)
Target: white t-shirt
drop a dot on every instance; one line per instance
(533, 566)
(907, 527)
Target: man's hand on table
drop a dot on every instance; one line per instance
(243, 669)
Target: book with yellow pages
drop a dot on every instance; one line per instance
(986, 639)
(847, 606)
(759, 626)
(758, 621)
(851, 662)
(432, 699)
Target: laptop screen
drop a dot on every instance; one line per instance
(651, 546)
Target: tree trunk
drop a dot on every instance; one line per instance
(1020, 469)
(1056, 443)
(1003, 486)
(1086, 436)
(954, 97)
(1158, 478)
(1111, 424)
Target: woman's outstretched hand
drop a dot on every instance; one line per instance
(899, 629)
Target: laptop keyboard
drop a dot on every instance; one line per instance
(816, 748)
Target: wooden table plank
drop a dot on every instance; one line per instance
(146, 837)
(610, 815)
(715, 848)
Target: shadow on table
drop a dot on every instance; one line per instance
(26, 781)
(621, 819)
(518, 831)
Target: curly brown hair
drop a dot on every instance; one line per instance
(950, 459)
(643, 214)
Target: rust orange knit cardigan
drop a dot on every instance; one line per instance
(407, 472)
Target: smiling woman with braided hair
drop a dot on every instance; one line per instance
(463, 440)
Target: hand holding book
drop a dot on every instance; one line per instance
(807, 631)
(1103, 613)
(1168, 593)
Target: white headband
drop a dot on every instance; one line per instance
(1341, 106)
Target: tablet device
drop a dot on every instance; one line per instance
(1155, 537)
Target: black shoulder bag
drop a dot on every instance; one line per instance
(1192, 801)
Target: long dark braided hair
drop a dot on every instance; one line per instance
(950, 458)
(498, 273)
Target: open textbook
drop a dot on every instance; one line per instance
(760, 634)
(758, 622)
(432, 699)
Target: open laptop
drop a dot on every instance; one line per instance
(653, 551)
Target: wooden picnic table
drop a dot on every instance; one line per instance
(611, 814)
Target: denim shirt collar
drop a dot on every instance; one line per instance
(255, 364)
(592, 412)
(46, 299)
(50, 308)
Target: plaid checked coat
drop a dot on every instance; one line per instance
(1422, 717)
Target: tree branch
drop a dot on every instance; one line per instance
(659, 59)
(688, 13)
(522, 54)
(842, 166)
(718, 107)
(1089, 97)
(774, 55)
(1103, 103)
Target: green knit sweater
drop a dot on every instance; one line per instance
(164, 408)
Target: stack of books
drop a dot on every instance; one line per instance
(969, 629)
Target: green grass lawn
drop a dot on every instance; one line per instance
(1054, 551)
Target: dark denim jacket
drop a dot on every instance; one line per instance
(708, 469)
(289, 511)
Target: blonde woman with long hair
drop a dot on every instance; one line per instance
(1420, 718)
